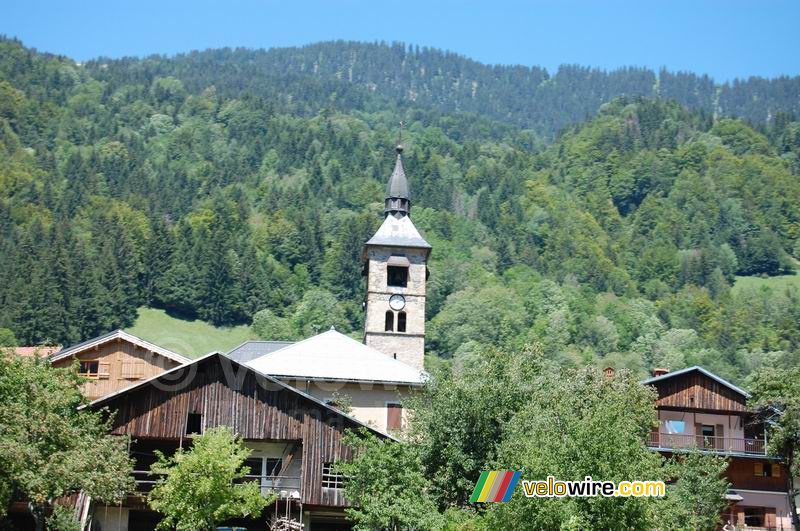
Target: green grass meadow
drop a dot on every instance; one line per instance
(775, 283)
(190, 338)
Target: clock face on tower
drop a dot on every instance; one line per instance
(397, 302)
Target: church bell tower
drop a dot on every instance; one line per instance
(396, 267)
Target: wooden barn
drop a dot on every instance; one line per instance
(115, 361)
(295, 438)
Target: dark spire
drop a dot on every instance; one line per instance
(398, 201)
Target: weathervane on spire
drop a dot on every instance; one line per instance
(400, 139)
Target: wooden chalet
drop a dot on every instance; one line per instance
(115, 361)
(698, 409)
(295, 439)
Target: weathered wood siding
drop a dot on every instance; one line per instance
(741, 473)
(227, 394)
(121, 365)
(697, 391)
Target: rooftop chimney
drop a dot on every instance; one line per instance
(659, 371)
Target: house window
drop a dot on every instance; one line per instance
(262, 467)
(401, 322)
(194, 423)
(397, 276)
(754, 516)
(272, 465)
(674, 426)
(89, 368)
(389, 321)
(394, 417)
(331, 479)
(253, 468)
(766, 470)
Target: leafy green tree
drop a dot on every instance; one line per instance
(388, 487)
(48, 447)
(267, 325)
(317, 312)
(490, 315)
(696, 498)
(198, 488)
(63, 519)
(570, 428)
(460, 418)
(776, 394)
(7, 338)
(516, 410)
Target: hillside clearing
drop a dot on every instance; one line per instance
(190, 338)
(777, 283)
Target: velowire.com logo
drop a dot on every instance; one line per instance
(498, 486)
(495, 486)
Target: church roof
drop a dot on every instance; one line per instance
(401, 232)
(397, 186)
(250, 350)
(333, 356)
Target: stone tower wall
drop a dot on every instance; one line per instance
(408, 346)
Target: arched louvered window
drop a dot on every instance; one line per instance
(401, 322)
(390, 321)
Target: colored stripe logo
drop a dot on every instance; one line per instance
(495, 486)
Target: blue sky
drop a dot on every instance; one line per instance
(726, 39)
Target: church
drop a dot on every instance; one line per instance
(291, 402)
(367, 379)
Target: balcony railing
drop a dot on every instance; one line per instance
(284, 486)
(723, 445)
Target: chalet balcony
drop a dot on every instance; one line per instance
(283, 486)
(718, 445)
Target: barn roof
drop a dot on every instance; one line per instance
(701, 370)
(167, 375)
(42, 351)
(113, 336)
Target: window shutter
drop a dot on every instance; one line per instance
(698, 431)
(719, 433)
(776, 470)
(104, 370)
(758, 469)
(132, 369)
(394, 417)
(770, 518)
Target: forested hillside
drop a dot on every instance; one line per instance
(160, 183)
(352, 75)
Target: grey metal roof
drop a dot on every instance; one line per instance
(401, 232)
(711, 375)
(250, 350)
(397, 187)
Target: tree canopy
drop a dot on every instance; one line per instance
(518, 411)
(202, 486)
(163, 183)
(49, 448)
